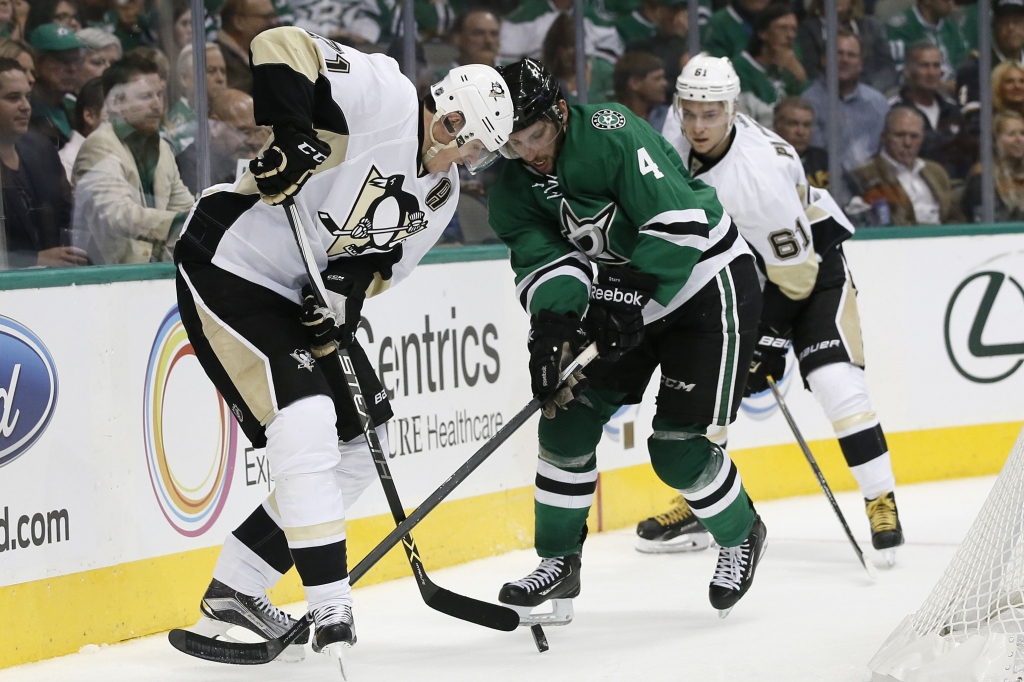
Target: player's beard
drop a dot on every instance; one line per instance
(549, 160)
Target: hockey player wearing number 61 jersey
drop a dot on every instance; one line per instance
(810, 303)
(675, 288)
(374, 170)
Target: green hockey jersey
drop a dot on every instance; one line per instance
(620, 195)
(905, 29)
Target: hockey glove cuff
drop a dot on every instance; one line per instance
(287, 164)
(555, 340)
(335, 326)
(615, 319)
(769, 358)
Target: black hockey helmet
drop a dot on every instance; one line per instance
(535, 93)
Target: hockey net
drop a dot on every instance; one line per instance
(971, 627)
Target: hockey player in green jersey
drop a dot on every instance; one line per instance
(675, 288)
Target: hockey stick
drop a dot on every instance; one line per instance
(242, 653)
(864, 561)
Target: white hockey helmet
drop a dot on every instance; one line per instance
(708, 79)
(480, 95)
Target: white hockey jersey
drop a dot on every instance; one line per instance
(761, 183)
(371, 196)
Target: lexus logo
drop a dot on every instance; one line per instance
(984, 327)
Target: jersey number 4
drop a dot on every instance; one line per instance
(647, 164)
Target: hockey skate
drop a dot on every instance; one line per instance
(556, 580)
(677, 530)
(334, 632)
(223, 608)
(886, 531)
(734, 573)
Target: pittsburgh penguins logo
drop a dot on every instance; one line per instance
(383, 216)
(590, 235)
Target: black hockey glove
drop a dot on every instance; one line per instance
(769, 358)
(346, 280)
(555, 340)
(285, 166)
(615, 319)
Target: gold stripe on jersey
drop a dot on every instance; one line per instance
(290, 46)
(849, 322)
(795, 281)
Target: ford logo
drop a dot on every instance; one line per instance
(28, 389)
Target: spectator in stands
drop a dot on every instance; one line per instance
(181, 119)
(182, 25)
(9, 27)
(769, 69)
(101, 49)
(668, 38)
(1007, 45)
(353, 22)
(559, 57)
(129, 197)
(861, 113)
(794, 122)
(927, 20)
(22, 53)
(59, 55)
(234, 136)
(655, 17)
(730, 28)
(523, 31)
(879, 70)
(476, 35)
(36, 195)
(1008, 130)
(60, 12)
(241, 21)
(130, 24)
(88, 116)
(639, 80)
(903, 188)
(943, 143)
(1008, 87)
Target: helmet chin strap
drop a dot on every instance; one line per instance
(436, 147)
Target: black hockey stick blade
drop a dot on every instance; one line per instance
(864, 561)
(235, 653)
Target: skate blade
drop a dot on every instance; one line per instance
(691, 542)
(339, 652)
(218, 629)
(722, 613)
(890, 556)
(561, 613)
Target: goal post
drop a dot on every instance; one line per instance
(971, 627)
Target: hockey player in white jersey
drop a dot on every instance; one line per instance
(374, 170)
(810, 302)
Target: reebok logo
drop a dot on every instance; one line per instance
(618, 296)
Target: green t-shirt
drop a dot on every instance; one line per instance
(770, 84)
(621, 195)
(634, 27)
(602, 84)
(906, 29)
(969, 27)
(145, 150)
(726, 33)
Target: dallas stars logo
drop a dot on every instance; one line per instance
(607, 119)
(590, 235)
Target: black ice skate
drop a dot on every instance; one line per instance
(334, 632)
(677, 530)
(223, 608)
(735, 571)
(886, 531)
(556, 580)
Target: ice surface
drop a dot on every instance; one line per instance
(811, 616)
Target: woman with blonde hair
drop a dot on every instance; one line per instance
(22, 53)
(1008, 87)
(1008, 131)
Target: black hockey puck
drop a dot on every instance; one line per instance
(539, 638)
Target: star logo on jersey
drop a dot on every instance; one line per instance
(382, 217)
(608, 119)
(590, 235)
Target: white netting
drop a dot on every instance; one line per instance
(971, 627)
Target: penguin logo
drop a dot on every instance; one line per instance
(383, 216)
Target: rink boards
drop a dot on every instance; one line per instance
(121, 469)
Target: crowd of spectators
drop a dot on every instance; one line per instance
(98, 123)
